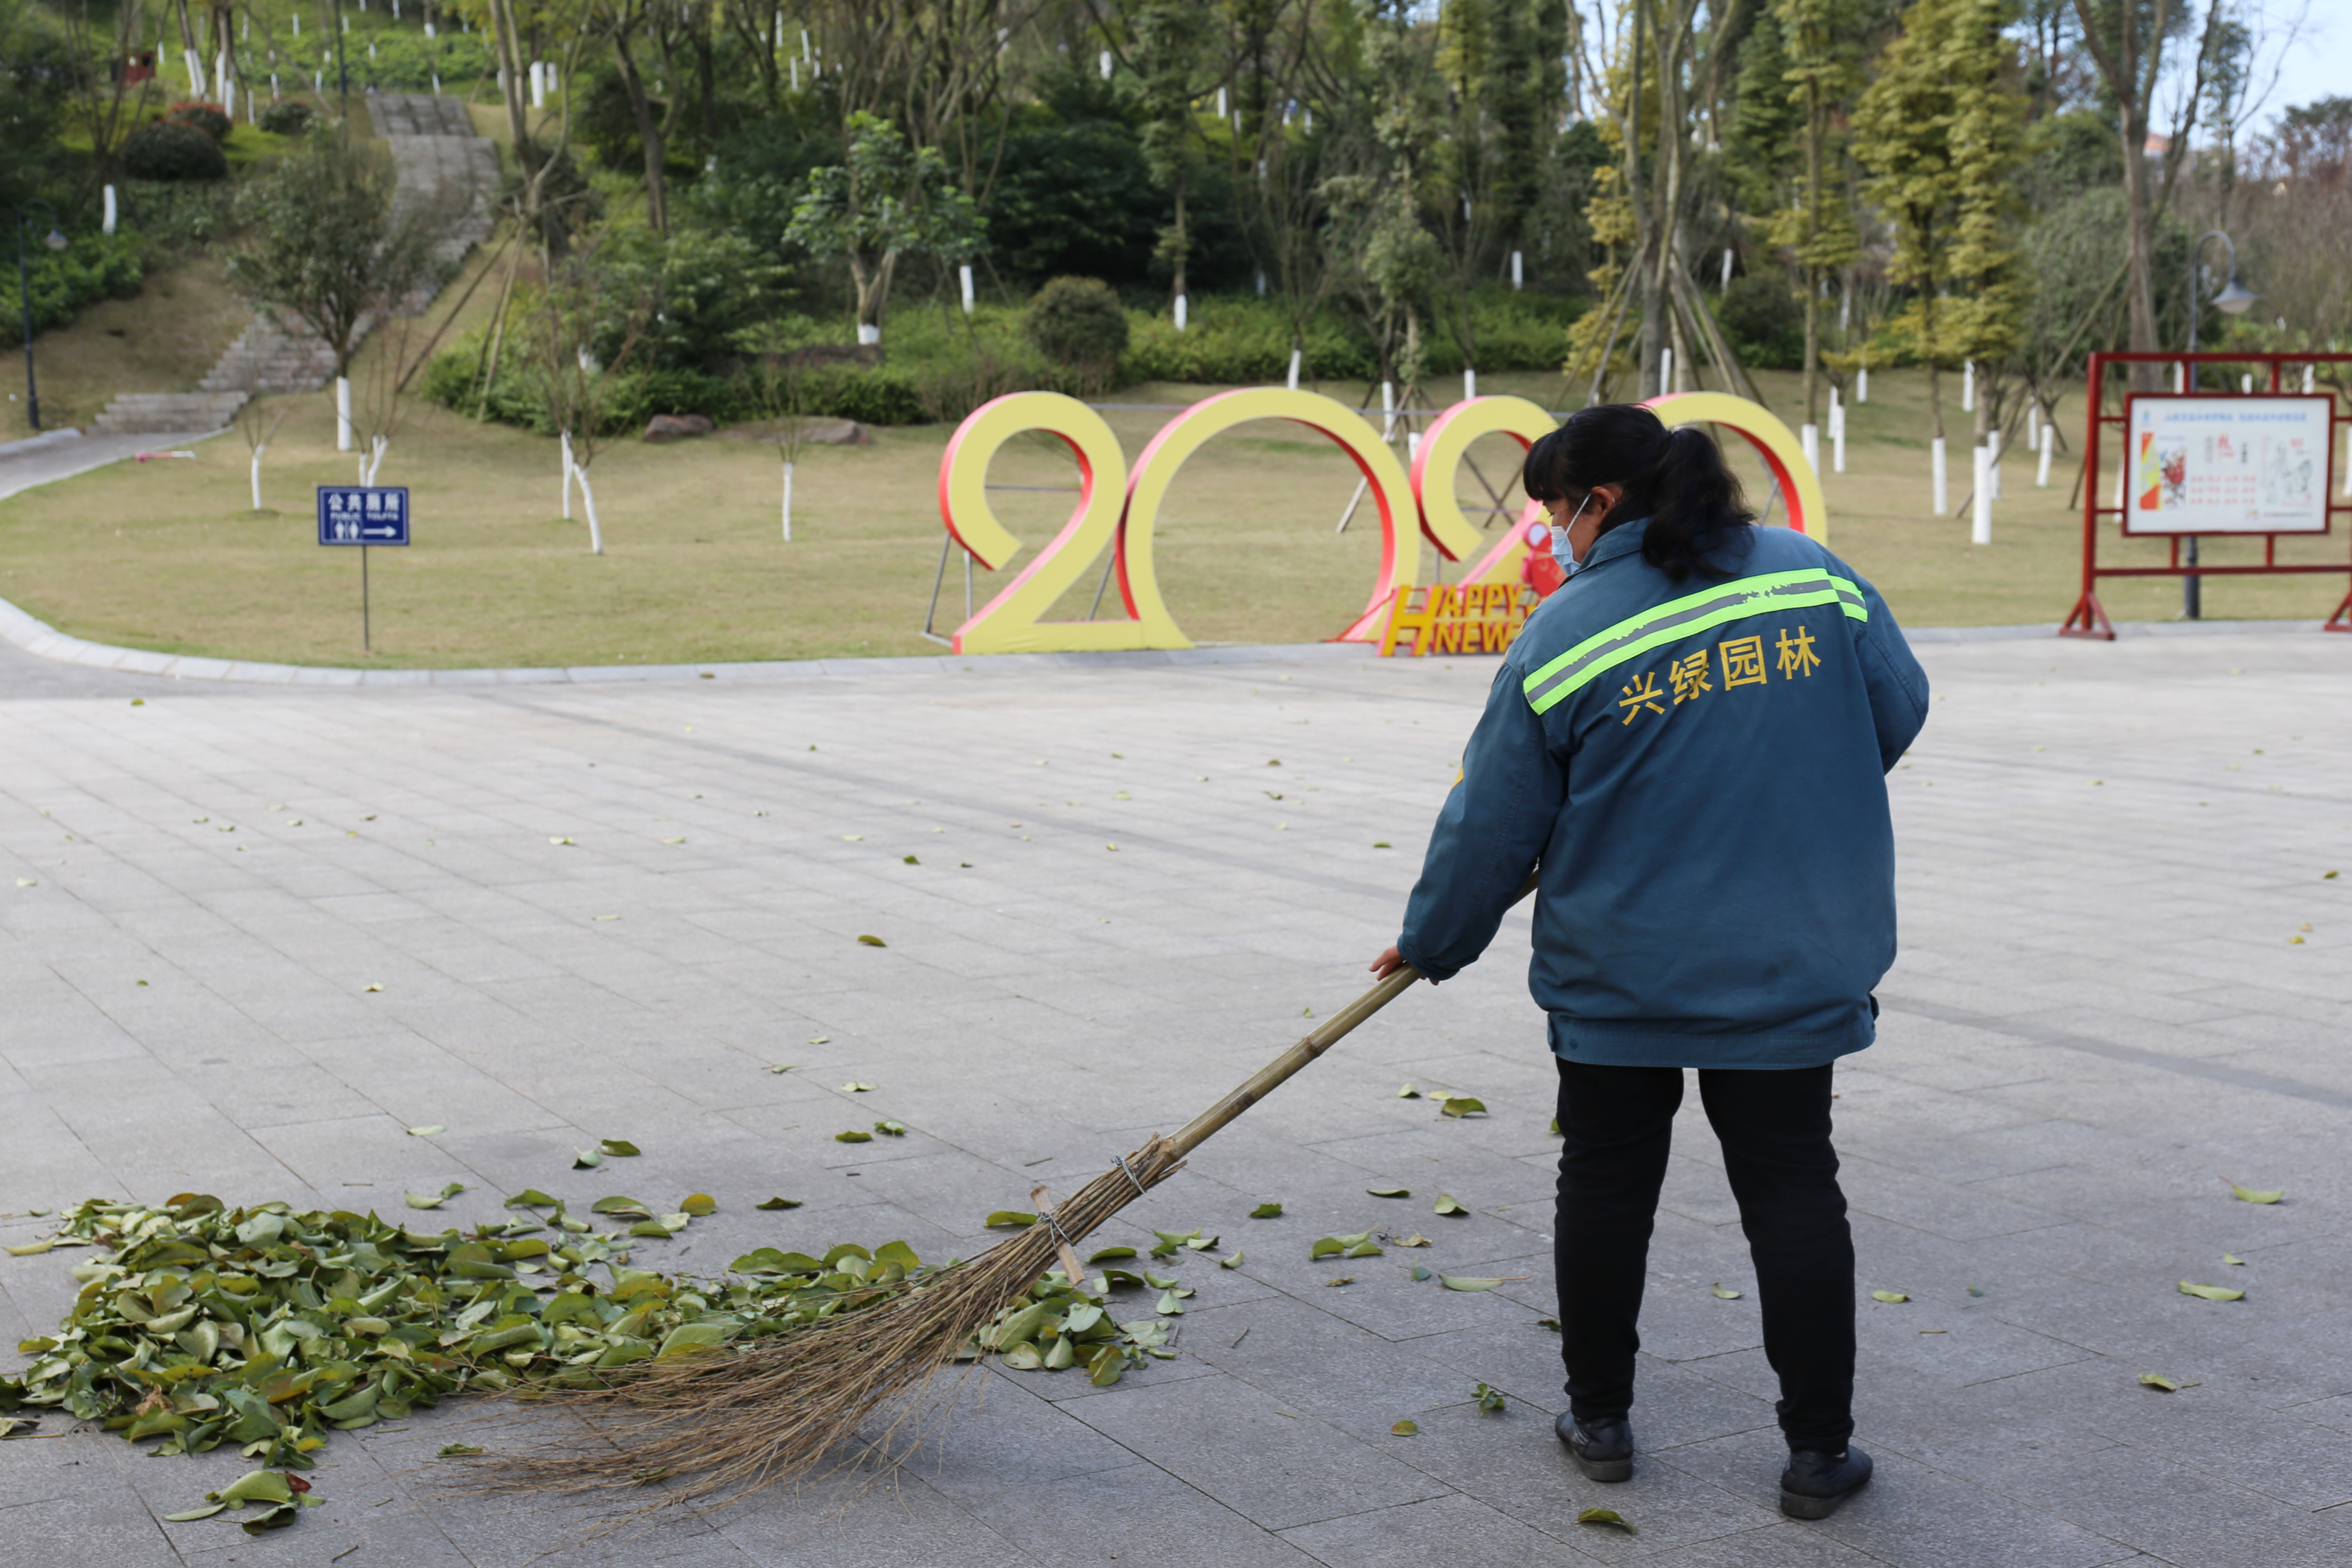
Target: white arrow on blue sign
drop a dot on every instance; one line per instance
(363, 514)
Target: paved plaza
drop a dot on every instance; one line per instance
(1108, 893)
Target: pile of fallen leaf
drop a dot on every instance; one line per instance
(202, 1325)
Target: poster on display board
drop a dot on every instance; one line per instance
(2228, 464)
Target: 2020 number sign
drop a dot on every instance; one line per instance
(1123, 521)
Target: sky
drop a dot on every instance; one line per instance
(2319, 65)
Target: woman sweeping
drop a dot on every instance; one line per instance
(1688, 743)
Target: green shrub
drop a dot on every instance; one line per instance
(91, 268)
(209, 118)
(287, 117)
(175, 220)
(167, 152)
(1078, 324)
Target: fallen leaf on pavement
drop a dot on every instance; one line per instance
(2211, 1292)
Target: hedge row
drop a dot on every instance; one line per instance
(887, 395)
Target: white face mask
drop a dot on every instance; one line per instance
(1561, 551)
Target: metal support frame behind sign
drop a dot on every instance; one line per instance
(2089, 618)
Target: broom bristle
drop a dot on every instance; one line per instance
(840, 1390)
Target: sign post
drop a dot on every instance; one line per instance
(363, 515)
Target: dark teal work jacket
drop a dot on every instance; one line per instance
(1698, 767)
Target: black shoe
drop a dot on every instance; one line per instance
(1815, 1485)
(1603, 1449)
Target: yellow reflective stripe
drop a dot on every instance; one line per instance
(1686, 616)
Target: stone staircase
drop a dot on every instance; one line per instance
(439, 159)
(156, 413)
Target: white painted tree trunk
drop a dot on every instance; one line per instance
(588, 504)
(2049, 444)
(567, 476)
(788, 500)
(373, 464)
(1943, 475)
(1810, 437)
(1294, 369)
(1980, 511)
(257, 476)
(342, 413)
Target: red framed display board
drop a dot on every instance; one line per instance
(2205, 464)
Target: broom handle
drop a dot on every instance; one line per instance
(1269, 1077)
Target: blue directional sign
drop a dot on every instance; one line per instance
(363, 514)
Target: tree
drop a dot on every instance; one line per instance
(1822, 44)
(883, 203)
(1169, 39)
(586, 304)
(1498, 61)
(1668, 67)
(324, 246)
(1376, 241)
(1941, 131)
(2127, 39)
(1988, 127)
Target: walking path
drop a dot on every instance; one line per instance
(441, 164)
(61, 454)
(2107, 851)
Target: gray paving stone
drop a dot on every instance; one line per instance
(2095, 1010)
(1438, 1530)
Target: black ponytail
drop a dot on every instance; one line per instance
(1676, 479)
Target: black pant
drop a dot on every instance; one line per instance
(1616, 1123)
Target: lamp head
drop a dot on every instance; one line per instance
(2237, 299)
(56, 241)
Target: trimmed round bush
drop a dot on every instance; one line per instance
(1077, 322)
(287, 117)
(209, 118)
(170, 152)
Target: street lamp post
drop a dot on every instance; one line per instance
(22, 217)
(343, 72)
(2233, 297)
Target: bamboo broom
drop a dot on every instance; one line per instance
(848, 1387)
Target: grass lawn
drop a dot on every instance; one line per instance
(168, 555)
